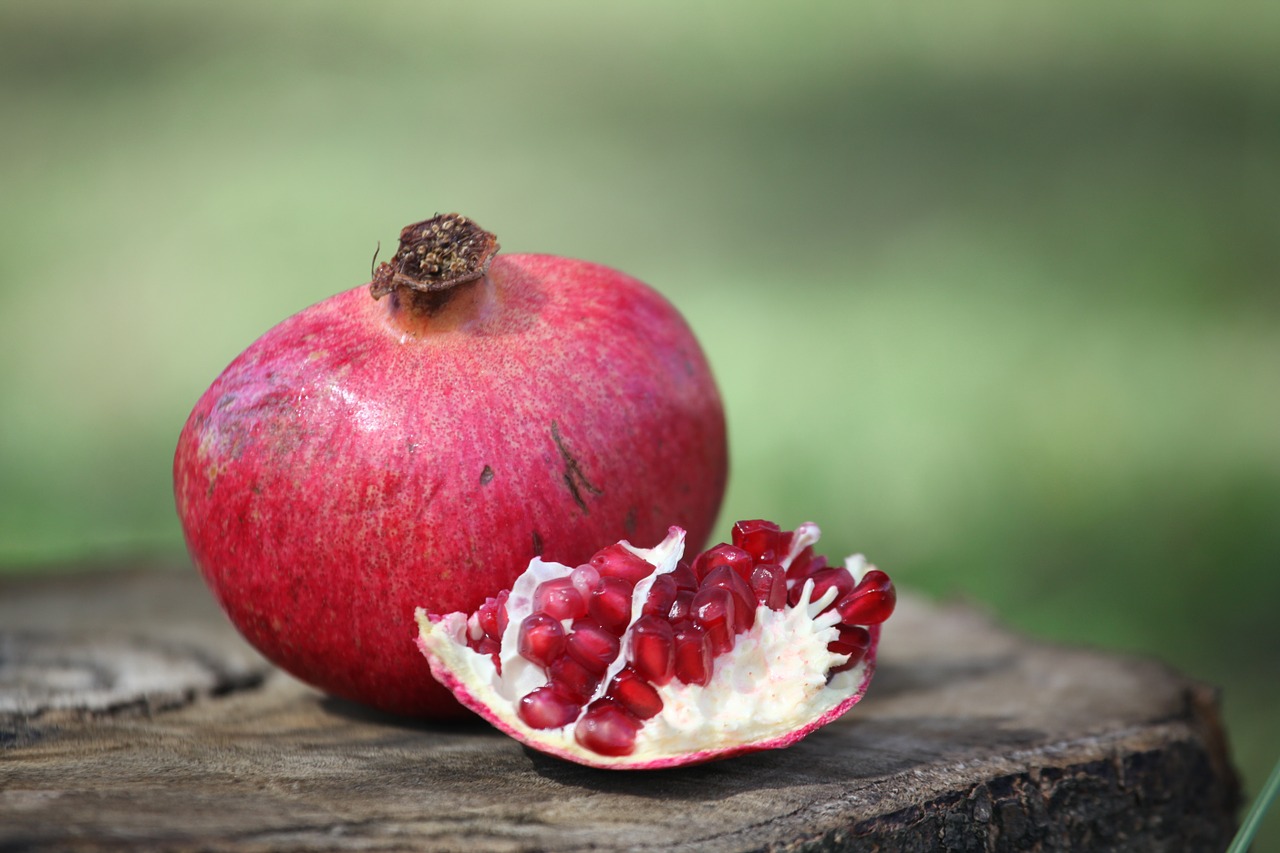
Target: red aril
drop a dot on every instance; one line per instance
(541, 639)
(759, 538)
(416, 441)
(549, 707)
(723, 555)
(871, 601)
(714, 611)
(653, 649)
(559, 599)
(661, 596)
(690, 684)
(693, 654)
(769, 583)
(610, 604)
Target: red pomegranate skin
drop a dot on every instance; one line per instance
(362, 459)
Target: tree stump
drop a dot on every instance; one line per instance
(132, 717)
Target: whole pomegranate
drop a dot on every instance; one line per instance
(417, 441)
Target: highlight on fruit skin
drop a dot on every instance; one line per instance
(639, 659)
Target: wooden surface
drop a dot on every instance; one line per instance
(132, 717)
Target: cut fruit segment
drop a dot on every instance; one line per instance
(749, 646)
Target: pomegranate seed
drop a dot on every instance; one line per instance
(682, 607)
(759, 538)
(769, 583)
(573, 679)
(824, 579)
(635, 694)
(585, 579)
(559, 599)
(607, 729)
(489, 646)
(487, 617)
(610, 604)
(617, 562)
(723, 555)
(684, 576)
(871, 601)
(853, 641)
(541, 639)
(713, 608)
(693, 655)
(744, 600)
(784, 543)
(592, 646)
(502, 614)
(548, 708)
(804, 565)
(661, 596)
(653, 649)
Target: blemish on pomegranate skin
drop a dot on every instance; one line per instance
(486, 476)
(537, 544)
(573, 476)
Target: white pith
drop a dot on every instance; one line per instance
(773, 682)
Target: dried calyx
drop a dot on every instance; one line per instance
(640, 659)
(435, 256)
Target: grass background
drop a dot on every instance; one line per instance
(991, 288)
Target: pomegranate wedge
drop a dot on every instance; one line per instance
(638, 659)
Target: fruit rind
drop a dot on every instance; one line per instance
(758, 711)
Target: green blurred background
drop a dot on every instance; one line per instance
(991, 289)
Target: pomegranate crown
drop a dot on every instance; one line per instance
(435, 256)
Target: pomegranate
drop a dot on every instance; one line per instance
(418, 440)
(638, 659)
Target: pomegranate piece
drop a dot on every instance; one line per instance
(871, 602)
(657, 674)
(418, 439)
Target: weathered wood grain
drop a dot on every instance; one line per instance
(133, 718)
